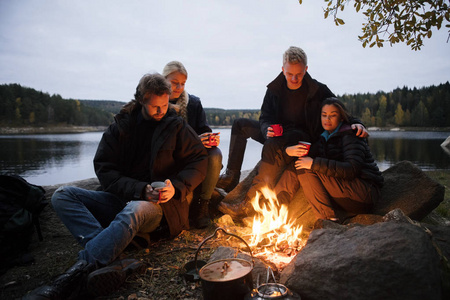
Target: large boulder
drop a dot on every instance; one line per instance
(410, 189)
(446, 143)
(88, 184)
(406, 187)
(388, 260)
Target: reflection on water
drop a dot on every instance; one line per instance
(61, 158)
(49, 159)
(421, 148)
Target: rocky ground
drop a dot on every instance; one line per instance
(165, 259)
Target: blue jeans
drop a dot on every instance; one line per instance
(101, 223)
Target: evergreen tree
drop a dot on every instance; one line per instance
(399, 115)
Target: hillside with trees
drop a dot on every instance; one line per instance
(403, 107)
(424, 107)
(23, 106)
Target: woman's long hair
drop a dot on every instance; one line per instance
(340, 106)
(182, 101)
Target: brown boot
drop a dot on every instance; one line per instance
(71, 283)
(106, 280)
(200, 213)
(229, 180)
(237, 211)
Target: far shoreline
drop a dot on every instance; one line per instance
(50, 130)
(82, 129)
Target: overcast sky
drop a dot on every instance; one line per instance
(88, 49)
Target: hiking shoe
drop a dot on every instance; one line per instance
(106, 280)
(65, 285)
(199, 211)
(237, 211)
(228, 180)
(326, 223)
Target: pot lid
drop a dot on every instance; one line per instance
(225, 270)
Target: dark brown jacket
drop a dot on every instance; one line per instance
(176, 153)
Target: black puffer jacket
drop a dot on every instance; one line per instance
(271, 111)
(346, 156)
(197, 116)
(176, 153)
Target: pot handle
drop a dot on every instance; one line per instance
(213, 235)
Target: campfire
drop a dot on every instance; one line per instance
(274, 237)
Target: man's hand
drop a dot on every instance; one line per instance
(362, 132)
(160, 195)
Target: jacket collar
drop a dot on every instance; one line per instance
(342, 127)
(278, 85)
(327, 135)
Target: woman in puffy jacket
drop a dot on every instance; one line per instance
(190, 108)
(340, 178)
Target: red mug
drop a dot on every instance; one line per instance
(307, 146)
(277, 129)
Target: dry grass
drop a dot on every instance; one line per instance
(443, 177)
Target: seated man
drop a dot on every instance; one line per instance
(146, 143)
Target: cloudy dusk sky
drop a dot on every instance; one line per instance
(231, 48)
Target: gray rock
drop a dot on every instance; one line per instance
(446, 143)
(410, 189)
(88, 184)
(390, 260)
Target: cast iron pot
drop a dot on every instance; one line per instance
(226, 279)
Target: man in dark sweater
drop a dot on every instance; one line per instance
(147, 143)
(293, 100)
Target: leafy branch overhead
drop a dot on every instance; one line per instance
(395, 21)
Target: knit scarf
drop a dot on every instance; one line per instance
(182, 101)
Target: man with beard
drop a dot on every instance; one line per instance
(147, 143)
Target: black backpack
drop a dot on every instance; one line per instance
(20, 206)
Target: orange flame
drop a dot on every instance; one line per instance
(271, 226)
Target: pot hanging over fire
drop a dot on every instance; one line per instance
(226, 279)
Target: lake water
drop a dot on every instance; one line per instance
(60, 158)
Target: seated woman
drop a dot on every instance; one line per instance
(190, 109)
(341, 178)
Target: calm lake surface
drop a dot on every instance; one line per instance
(61, 158)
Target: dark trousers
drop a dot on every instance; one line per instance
(274, 160)
(242, 130)
(332, 197)
(212, 173)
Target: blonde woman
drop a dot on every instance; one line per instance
(190, 108)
